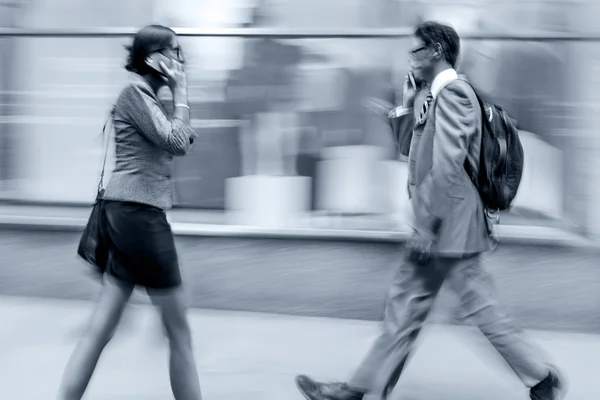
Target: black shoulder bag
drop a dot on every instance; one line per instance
(93, 245)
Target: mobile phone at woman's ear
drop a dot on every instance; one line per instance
(154, 59)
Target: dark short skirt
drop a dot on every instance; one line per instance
(142, 247)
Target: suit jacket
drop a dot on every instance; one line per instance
(403, 122)
(402, 126)
(446, 204)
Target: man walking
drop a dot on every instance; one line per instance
(451, 233)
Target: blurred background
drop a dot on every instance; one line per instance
(290, 154)
(286, 138)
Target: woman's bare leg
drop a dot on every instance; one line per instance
(81, 365)
(182, 366)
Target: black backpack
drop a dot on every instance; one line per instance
(501, 159)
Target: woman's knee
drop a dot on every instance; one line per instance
(174, 317)
(100, 335)
(103, 326)
(178, 330)
(108, 312)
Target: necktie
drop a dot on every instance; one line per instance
(425, 107)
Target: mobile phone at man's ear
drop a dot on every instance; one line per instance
(413, 81)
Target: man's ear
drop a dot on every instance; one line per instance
(438, 51)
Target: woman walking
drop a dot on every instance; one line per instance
(142, 248)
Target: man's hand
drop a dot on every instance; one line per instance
(409, 93)
(418, 248)
(377, 106)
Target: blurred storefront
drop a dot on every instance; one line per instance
(60, 93)
(56, 92)
(9, 16)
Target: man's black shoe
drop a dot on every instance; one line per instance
(313, 390)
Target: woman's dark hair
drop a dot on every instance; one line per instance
(432, 33)
(148, 40)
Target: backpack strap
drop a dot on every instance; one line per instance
(479, 100)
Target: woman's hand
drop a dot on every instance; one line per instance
(177, 81)
(176, 76)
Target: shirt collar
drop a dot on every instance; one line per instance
(441, 80)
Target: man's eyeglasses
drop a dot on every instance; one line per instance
(415, 52)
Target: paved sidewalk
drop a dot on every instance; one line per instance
(255, 356)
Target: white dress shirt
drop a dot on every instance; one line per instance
(439, 82)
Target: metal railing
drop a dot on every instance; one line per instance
(392, 33)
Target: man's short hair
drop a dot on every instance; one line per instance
(431, 32)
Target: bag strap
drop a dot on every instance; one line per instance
(490, 214)
(109, 119)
